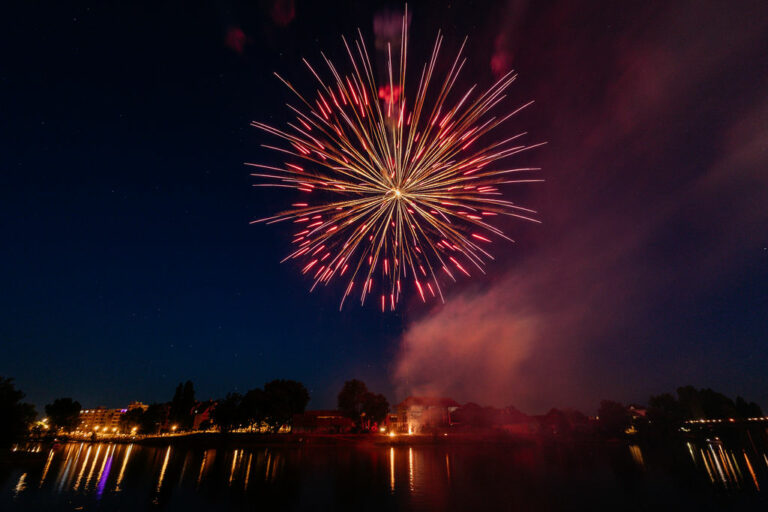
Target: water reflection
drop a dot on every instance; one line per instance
(20, 485)
(637, 455)
(129, 476)
(392, 469)
(47, 467)
(122, 468)
(725, 468)
(162, 470)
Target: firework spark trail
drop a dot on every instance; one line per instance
(403, 197)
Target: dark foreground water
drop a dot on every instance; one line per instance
(103, 476)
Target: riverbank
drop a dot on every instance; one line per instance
(247, 439)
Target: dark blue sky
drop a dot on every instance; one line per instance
(128, 263)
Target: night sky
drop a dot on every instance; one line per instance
(128, 263)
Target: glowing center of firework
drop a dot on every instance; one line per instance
(348, 154)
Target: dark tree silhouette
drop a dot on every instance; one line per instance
(228, 413)
(665, 414)
(254, 407)
(16, 415)
(63, 413)
(360, 405)
(690, 402)
(375, 407)
(154, 418)
(351, 399)
(132, 419)
(614, 418)
(182, 405)
(556, 423)
(707, 403)
(283, 399)
(747, 410)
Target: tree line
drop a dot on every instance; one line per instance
(264, 409)
(666, 413)
(274, 405)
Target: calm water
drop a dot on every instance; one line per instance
(103, 476)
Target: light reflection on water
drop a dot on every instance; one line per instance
(419, 477)
(728, 469)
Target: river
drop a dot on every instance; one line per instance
(107, 476)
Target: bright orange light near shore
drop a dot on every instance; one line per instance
(398, 190)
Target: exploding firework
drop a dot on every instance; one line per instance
(399, 192)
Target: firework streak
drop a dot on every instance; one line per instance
(398, 193)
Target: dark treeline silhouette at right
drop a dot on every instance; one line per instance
(667, 414)
(692, 403)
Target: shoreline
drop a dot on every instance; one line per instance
(237, 439)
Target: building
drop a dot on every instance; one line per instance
(101, 419)
(473, 418)
(418, 414)
(137, 405)
(322, 422)
(390, 423)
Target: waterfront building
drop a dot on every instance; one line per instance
(418, 414)
(137, 405)
(322, 422)
(101, 419)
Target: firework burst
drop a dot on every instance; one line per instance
(399, 192)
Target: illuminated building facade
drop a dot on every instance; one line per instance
(137, 405)
(417, 414)
(101, 419)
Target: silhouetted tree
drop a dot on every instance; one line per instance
(747, 410)
(154, 418)
(665, 414)
(283, 399)
(360, 405)
(254, 407)
(63, 413)
(707, 403)
(717, 405)
(16, 415)
(375, 407)
(228, 413)
(556, 422)
(614, 418)
(351, 399)
(690, 402)
(132, 419)
(182, 405)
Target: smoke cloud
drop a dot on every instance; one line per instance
(654, 201)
